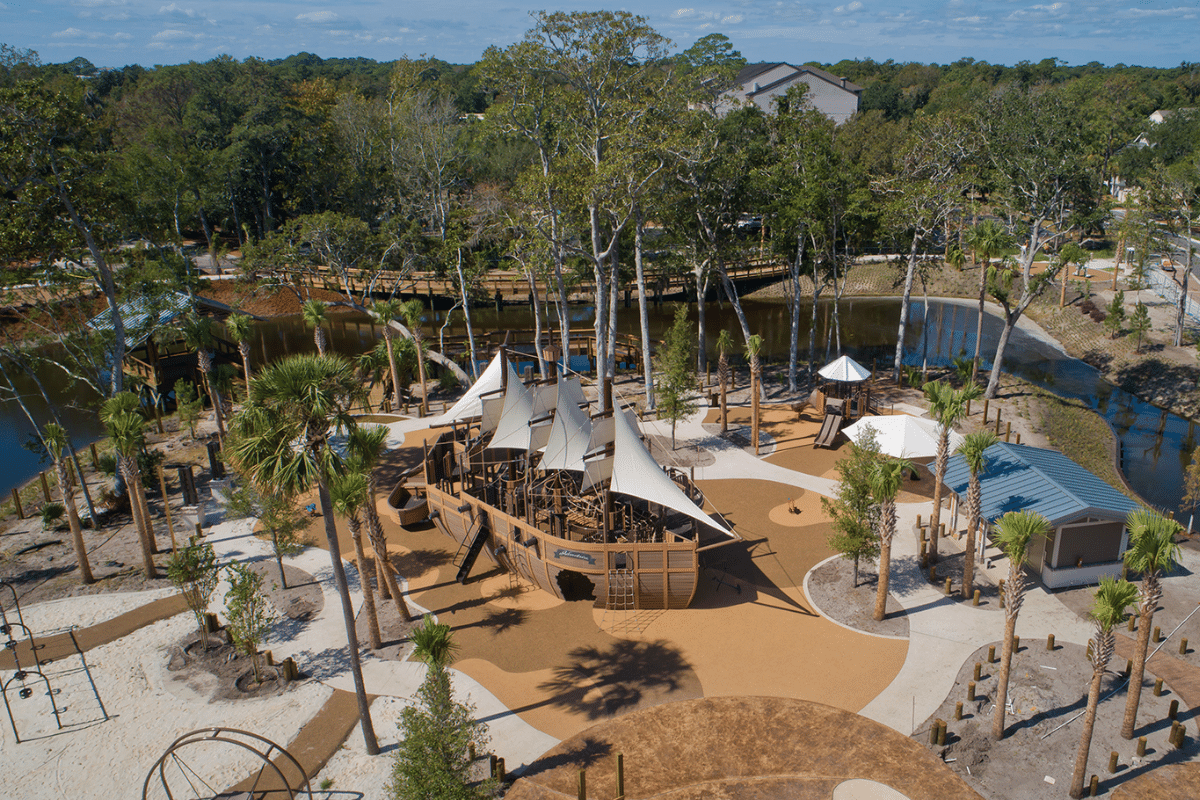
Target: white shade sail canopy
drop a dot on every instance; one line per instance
(471, 404)
(513, 429)
(903, 436)
(571, 431)
(636, 473)
(844, 370)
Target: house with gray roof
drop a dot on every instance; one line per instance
(763, 84)
(1088, 538)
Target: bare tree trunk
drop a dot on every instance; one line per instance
(466, 304)
(794, 309)
(903, 328)
(1138, 673)
(68, 498)
(364, 578)
(885, 568)
(644, 313)
(1085, 738)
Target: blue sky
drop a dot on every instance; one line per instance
(119, 32)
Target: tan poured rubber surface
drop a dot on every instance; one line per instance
(743, 747)
(564, 666)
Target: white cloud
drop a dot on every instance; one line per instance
(69, 33)
(174, 34)
(684, 13)
(849, 8)
(318, 16)
(115, 16)
(732, 19)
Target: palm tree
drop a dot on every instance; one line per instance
(303, 398)
(127, 431)
(412, 311)
(313, 312)
(349, 494)
(239, 328)
(1108, 611)
(885, 483)
(388, 310)
(367, 444)
(972, 450)
(753, 348)
(1014, 531)
(947, 405)
(724, 345)
(988, 239)
(1152, 553)
(956, 258)
(434, 643)
(55, 438)
(198, 336)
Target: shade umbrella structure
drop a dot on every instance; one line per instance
(903, 435)
(844, 370)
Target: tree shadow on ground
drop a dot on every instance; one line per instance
(581, 755)
(601, 683)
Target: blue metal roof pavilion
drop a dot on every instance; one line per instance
(1017, 477)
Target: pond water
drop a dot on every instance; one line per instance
(1157, 444)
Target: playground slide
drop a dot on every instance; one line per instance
(829, 430)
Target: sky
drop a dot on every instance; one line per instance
(113, 33)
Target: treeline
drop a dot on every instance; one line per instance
(589, 151)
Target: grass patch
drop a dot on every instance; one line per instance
(1080, 434)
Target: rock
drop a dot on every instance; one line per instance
(178, 660)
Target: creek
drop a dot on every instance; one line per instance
(1156, 444)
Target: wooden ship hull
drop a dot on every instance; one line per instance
(614, 557)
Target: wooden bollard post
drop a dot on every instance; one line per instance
(919, 525)
(1007, 430)
(1158, 687)
(1157, 637)
(978, 671)
(947, 589)
(95, 456)
(1094, 788)
(971, 691)
(620, 776)
(942, 529)
(17, 504)
(1141, 747)
(958, 710)
(1050, 642)
(211, 622)
(924, 554)
(46, 486)
(933, 732)
(1173, 711)
(1132, 622)
(1128, 667)
(269, 658)
(991, 654)
(1018, 438)
(975, 598)
(933, 574)
(1113, 760)
(1016, 644)
(969, 407)
(985, 411)
(1183, 646)
(501, 771)
(582, 784)
(470, 751)
(162, 485)
(941, 732)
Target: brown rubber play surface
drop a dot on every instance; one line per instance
(564, 666)
(744, 747)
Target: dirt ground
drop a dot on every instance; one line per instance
(1047, 689)
(830, 587)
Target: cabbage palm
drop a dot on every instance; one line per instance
(388, 310)
(348, 492)
(367, 444)
(1152, 553)
(724, 345)
(972, 450)
(434, 643)
(412, 311)
(239, 328)
(1014, 531)
(1108, 611)
(313, 312)
(302, 399)
(127, 431)
(886, 478)
(198, 336)
(55, 438)
(987, 239)
(753, 349)
(947, 405)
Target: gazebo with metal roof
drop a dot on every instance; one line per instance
(1088, 538)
